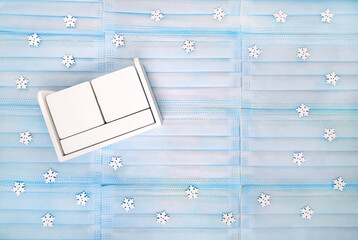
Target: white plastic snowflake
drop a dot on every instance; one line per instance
(254, 51)
(34, 40)
(330, 134)
(339, 184)
(188, 46)
(303, 110)
(326, 16)
(82, 198)
(25, 138)
(218, 14)
(228, 219)
(68, 60)
(47, 220)
(21, 82)
(162, 217)
(128, 204)
(264, 200)
(332, 78)
(118, 40)
(18, 188)
(298, 158)
(50, 176)
(156, 15)
(280, 17)
(116, 163)
(307, 212)
(70, 21)
(192, 192)
(303, 53)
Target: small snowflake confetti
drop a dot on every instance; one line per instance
(116, 163)
(18, 188)
(326, 16)
(228, 219)
(68, 60)
(156, 15)
(307, 212)
(332, 78)
(188, 46)
(329, 134)
(298, 158)
(118, 40)
(280, 17)
(303, 110)
(128, 204)
(34, 40)
(192, 192)
(50, 176)
(339, 184)
(162, 217)
(303, 53)
(21, 82)
(82, 198)
(70, 21)
(47, 220)
(264, 200)
(254, 51)
(25, 138)
(218, 14)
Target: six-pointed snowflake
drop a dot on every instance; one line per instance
(188, 46)
(68, 60)
(70, 21)
(326, 16)
(228, 218)
(192, 192)
(34, 40)
(298, 158)
(303, 110)
(303, 53)
(280, 16)
(330, 134)
(254, 51)
(218, 14)
(118, 40)
(47, 220)
(21, 82)
(116, 162)
(332, 78)
(128, 204)
(82, 198)
(307, 212)
(50, 176)
(339, 184)
(264, 200)
(18, 188)
(156, 15)
(25, 138)
(162, 217)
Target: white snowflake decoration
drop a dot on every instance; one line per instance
(162, 217)
(47, 220)
(326, 16)
(70, 21)
(228, 219)
(298, 158)
(188, 46)
(68, 60)
(156, 15)
(307, 212)
(118, 40)
(18, 188)
(25, 137)
(218, 14)
(330, 134)
(332, 78)
(254, 52)
(50, 176)
(280, 17)
(128, 204)
(34, 40)
(339, 184)
(116, 163)
(82, 198)
(264, 200)
(303, 110)
(303, 53)
(21, 82)
(192, 192)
